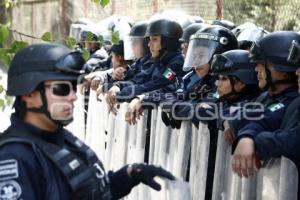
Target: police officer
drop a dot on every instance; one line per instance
(276, 74)
(284, 141)
(236, 85)
(39, 158)
(166, 69)
(203, 45)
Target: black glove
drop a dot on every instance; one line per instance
(143, 173)
(169, 120)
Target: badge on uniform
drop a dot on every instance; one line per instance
(10, 190)
(275, 107)
(169, 74)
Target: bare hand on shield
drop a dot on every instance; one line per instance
(245, 161)
(111, 99)
(134, 111)
(96, 81)
(118, 73)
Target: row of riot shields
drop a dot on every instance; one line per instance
(184, 152)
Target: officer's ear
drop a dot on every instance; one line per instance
(239, 85)
(31, 100)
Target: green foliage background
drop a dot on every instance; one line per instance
(269, 14)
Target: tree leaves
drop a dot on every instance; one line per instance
(115, 37)
(47, 37)
(103, 3)
(85, 55)
(70, 42)
(4, 33)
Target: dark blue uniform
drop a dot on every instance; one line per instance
(26, 173)
(272, 115)
(163, 74)
(184, 89)
(284, 141)
(131, 75)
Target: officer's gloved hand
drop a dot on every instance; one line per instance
(143, 173)
(168, 120)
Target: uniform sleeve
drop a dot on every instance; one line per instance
(271, 121)
(279, 143)
(161, 77)
(20, 175)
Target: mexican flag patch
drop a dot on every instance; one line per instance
(169, 74)
(275, 107)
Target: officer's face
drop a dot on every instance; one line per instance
(155, 45)
(224, 87)
(60, 96)
(60, 101)
(90, 45)
(298, 74)
(261, 75)
(115, 59)
(202, 70)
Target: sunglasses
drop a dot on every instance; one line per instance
(62, 88)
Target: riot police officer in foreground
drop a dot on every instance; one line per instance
(40, 159)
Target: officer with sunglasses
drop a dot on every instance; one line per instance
(39, 159)
(277, 75)
(236, 86)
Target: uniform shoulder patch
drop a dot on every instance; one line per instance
(169, 74)
(8, 169)
(10, 190)
(275, 106)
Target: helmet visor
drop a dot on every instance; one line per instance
(221, 64)
(294, 54)
(133, 46)
(199, 53)
(71, 63)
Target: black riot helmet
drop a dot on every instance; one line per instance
(170, 32)
(249, 35)
(275, 48)
(190, 30)
(294, 53)
(136, 35)
(37, 63)
(235, 63)
(40, 62)
(225, 23)
(207, 42)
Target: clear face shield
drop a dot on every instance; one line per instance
(200, 51)
(133, 47)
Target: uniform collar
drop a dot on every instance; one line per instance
(56, 137)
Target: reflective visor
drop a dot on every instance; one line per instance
(294, 53)
(71, 63)
(221, 64)
(200, 51)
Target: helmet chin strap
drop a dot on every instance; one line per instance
(44, 109)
